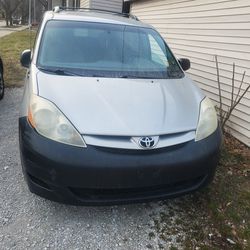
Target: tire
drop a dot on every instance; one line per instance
(1, 85)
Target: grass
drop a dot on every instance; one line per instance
(11, 47)
(225, 205)
(228, 200)
(218, 217)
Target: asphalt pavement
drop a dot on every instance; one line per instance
(30, 222)
(4, 31)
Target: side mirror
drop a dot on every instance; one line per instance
(26, 58)
(185, 63)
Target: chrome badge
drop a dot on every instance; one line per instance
(148, 142)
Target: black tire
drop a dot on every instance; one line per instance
(1, 85)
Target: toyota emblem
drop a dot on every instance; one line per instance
(147, 142)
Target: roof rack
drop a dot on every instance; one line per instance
(58, 9)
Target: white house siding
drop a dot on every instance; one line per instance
(84, 3)
(112, 5)
(200, 29)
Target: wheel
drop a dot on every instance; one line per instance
(1, 85)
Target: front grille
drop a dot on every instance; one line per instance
(137, 193)
(141, 152)
(131, 142)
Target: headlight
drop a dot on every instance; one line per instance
(49, 121)
(207, 120)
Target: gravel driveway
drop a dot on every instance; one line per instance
(30, 222)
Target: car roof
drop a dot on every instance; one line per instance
(95, 16)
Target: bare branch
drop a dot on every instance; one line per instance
(233, 107)
(232, 91)
(242, 80)
(241, 96)
(9, 7)
(225, 115)
(219, 87)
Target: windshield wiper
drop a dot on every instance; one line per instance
(134, 77)
(174, 73)
(60, 72)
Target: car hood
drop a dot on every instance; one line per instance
(124, 107)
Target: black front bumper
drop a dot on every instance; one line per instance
(96, 175)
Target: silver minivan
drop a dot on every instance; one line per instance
(109, 115)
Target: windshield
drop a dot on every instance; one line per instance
(106, 50)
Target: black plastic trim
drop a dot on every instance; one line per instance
(55, 170)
